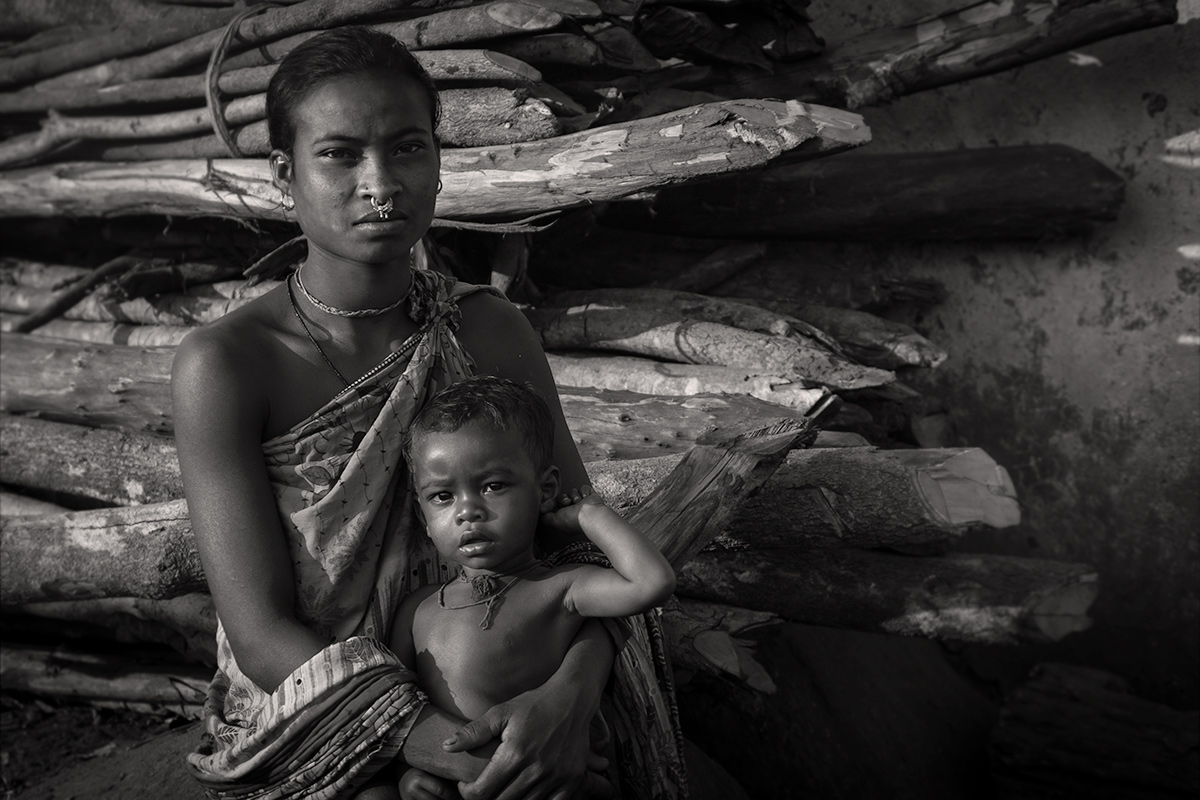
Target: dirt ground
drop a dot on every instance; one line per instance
(55, 752)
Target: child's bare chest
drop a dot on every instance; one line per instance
(468, 668)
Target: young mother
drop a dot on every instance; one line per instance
(290, 413)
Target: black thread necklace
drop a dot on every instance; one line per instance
(483, 590)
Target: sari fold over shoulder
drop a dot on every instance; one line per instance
(342, 489)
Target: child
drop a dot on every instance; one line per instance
(479, 454)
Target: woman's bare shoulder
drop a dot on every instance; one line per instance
(496, 333)
(242, 343)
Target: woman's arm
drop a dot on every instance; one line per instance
(220, 408)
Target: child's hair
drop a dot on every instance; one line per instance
(348, 50)
(500, 403)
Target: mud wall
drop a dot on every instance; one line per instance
(1075, 364)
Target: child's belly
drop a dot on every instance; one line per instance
(466, 670)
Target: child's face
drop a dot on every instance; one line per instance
(480, 495)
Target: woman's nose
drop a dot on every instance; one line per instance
(377, 179)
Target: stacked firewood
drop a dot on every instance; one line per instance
(620, 106)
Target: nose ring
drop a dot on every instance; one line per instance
(383, 209)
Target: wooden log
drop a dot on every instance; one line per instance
(139, 551)
(850, 497)
(648, 377)
(119, 41)
(270, 26)
(1024, 192)
(124, 467)
(696, 501)
(64, 299)
(446, 67)
(666, 334)
(117, 467)
(196, 306)
(123, 333)
(470, 118)
(670, 31)
(188, 622)
(967, 597)
(977, 39)
(18, 505)
(69, 673)
(148, 551)
(705, 637)
(865, 337)
(501, 182)
(450, 28)
(38, 274)
(553, 50)
(1073, 731)
(132, 390)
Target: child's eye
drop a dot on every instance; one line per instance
(494, 486)
(440, 498)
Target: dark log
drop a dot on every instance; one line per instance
(706, 637)
(127, 677)
(966, 597)
(124, 467)
(850, 497)
(1073, 731)
(505, 181)
(453, 27)
(138, 551)
(670, 31)
(1026, 192)
(120, 41)
(132, 388)
(552, 49)
(977, 39)
(187, 623)
(470, 118)
(446, 67)
(310, 15)
(117, 467)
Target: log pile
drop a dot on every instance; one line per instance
(645, 130)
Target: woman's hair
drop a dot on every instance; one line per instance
(349, 50)
(499, 403)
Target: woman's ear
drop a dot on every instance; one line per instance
(549, 486)
(282, 171)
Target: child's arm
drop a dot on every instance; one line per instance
(641, 577)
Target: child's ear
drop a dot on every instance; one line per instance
(549, 486)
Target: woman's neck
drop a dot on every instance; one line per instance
(353, 286)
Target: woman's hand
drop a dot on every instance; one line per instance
(545, 750)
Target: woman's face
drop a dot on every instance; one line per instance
(360, 137)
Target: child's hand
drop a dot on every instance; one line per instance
(416, 784)
(561, 513)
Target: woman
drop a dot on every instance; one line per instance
(299, 502)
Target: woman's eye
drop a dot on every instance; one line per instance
(337, 155)
(409, 147)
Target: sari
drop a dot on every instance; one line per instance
(344, 498)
